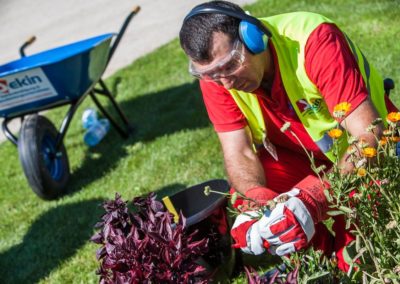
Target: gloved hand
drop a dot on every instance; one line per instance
(289, 226)
(260, 194)
(246, 235)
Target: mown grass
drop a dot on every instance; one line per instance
(174, 146)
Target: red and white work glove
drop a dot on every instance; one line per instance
(259, 194)
(289, 227)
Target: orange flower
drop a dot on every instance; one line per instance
(395, 139)
(369, 152)
(383, 141)
(335, 133)
(393, 117)
(341, 109)
(361, 172)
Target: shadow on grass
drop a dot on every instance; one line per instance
(153, 115)
(54, 237)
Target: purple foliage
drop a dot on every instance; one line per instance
(145, 246)
(254, 278)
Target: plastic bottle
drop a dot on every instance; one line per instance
(96, 132)
(89, 117)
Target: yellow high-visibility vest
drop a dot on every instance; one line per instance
(290, 33)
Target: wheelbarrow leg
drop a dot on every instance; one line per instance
(104, 91)
(8, 133)
(67, 120)
(116, 106)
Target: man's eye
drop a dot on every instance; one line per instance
(230, 67)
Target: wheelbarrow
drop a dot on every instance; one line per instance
(208, 216)
(61, 76)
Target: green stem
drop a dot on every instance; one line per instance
(380, 188)
(313, 166)
(371, 253)
(369, 275)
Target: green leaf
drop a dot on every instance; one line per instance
(234, 198)
(345, 209)
(358, 245)
(348, 224)
(323, 274)
(328, 195)
(334, 213)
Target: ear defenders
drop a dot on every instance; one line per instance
(252, 32)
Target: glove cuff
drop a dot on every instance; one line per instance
(311, 192)
(261, 194)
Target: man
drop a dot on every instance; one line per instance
(257, 75)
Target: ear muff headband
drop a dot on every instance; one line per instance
(206, 9)
(248, 32)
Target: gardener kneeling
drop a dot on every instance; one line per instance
(256, 75)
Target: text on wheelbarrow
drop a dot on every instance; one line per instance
(25, 87)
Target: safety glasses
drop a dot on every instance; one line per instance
(223, 68)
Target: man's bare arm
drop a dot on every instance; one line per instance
(356, 124)
(243, 166)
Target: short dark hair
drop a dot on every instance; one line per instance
(196, 32)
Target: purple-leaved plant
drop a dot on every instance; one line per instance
(254, 278)
(145, 246)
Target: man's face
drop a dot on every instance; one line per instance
(232, 66)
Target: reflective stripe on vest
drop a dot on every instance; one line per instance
(290, 33)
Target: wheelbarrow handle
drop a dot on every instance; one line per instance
(136, 9)
(25, 45)
(121, 32)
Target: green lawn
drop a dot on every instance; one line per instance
(174, 147)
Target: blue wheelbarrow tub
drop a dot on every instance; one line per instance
(52, 77)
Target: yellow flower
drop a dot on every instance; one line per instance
(361, 172)
(335, 133)
(393, 117)
(369, 152)
(341, 109)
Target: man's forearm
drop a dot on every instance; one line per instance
(242, 165)
(349, 161)
(244, 171)
(356, 124)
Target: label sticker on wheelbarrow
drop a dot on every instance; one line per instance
(24, 87)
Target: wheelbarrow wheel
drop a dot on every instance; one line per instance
(46, 169)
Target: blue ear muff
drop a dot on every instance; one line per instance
(253, 38)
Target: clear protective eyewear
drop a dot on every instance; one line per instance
(223, 68)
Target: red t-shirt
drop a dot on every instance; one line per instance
(329, 64)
